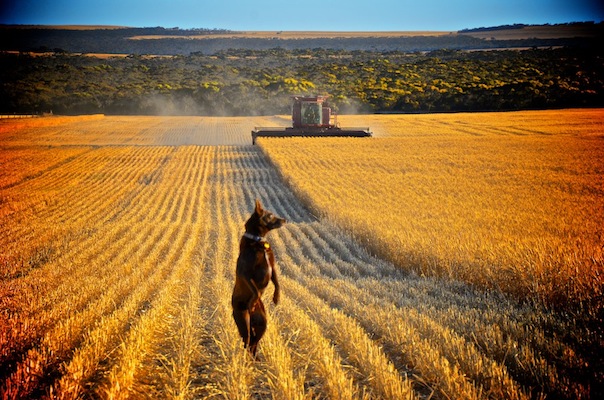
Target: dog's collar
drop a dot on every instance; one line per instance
(252, 237)
(258, 239)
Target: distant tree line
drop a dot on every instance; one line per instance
(248, 82)
(520, 26)
(118, 41)
(495, 28)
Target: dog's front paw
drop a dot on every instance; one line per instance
(276, 298)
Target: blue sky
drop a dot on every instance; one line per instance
(330, 15)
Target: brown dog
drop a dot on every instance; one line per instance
(255, 268)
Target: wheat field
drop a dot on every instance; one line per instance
(118, 247)
(511, 201)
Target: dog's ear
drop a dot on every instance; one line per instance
(259, 209)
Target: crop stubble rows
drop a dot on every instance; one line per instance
(119, 263)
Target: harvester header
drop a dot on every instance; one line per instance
(310, 117)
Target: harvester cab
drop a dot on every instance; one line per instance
(310, 117)
(311, 112)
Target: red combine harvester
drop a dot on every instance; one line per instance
(310, 117)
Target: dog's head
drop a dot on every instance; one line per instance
(263, 221)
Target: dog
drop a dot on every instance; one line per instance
(255, 269)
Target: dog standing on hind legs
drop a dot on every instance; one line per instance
(255, 269)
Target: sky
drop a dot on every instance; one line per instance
(305, 15)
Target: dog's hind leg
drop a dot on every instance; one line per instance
(257, 326)
(242, 320)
